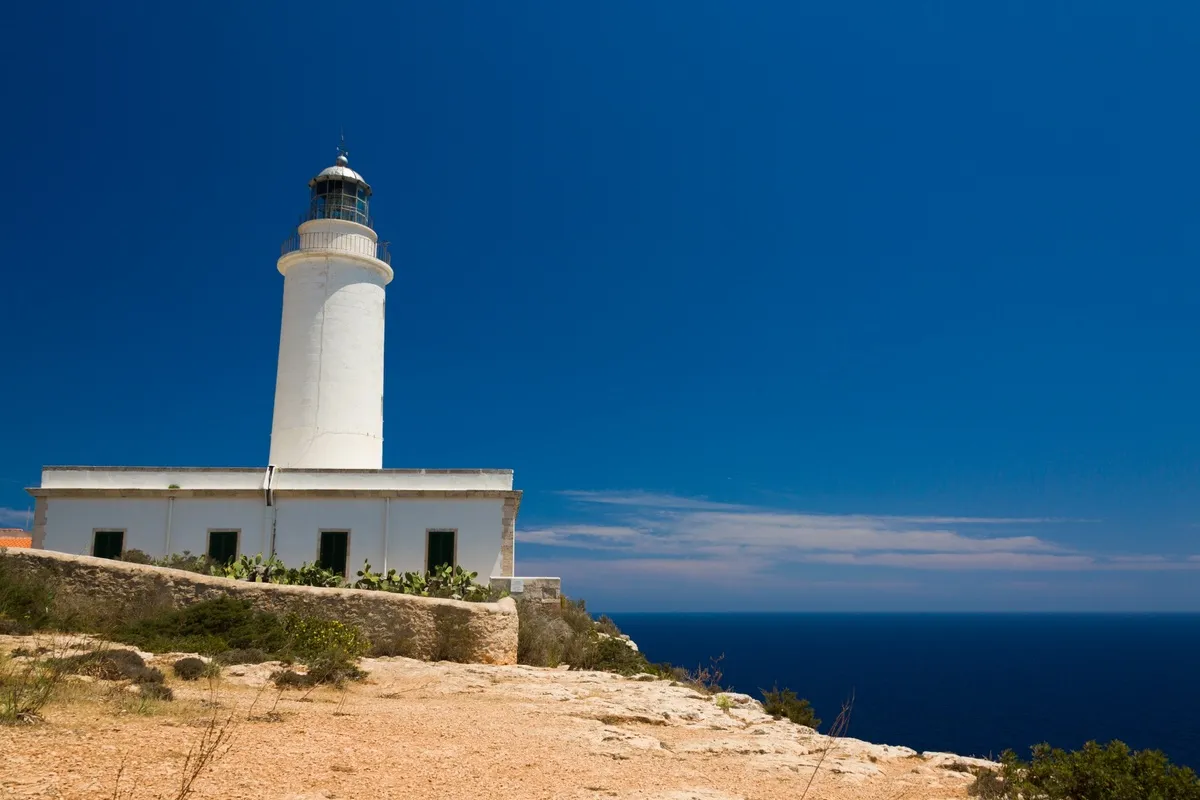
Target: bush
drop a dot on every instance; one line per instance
(192, 668)
(241, 656)
(26, 603)
(156, 691)
(569, 635)
(136, 556)
(606, 654)
(310, 637)
(1110, 772)
(542, 638)
(187, 562)
(108, 665)
(210, 626)
(780, 703)
(332, 673)
(290, 679)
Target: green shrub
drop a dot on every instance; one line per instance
(310, 575)
(256, 569)
(108, 665)
(187, 562)
(191, 668)
(548, 637)
(210, 626)
(310, 637)
(290, 679)
(26, 602)
(780, 703)
(156, 691)
(332, 673)
(1110, 772)
(606, 654)
(446, 581)
(542, 637)
(135, 556)
(242, 656)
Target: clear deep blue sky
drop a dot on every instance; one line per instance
(839, 305)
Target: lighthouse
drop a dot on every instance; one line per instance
(329, 384)
(323, 497)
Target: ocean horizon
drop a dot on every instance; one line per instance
(971, 683)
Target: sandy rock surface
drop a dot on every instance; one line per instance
(415, 729)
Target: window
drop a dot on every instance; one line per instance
(108, 544)
(334, 545)
(440, 550)
(222, 546)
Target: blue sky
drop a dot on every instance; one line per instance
(830, 306)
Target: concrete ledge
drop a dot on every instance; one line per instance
(418, 627)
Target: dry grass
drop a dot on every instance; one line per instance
(841, 725)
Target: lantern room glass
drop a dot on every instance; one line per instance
(340, 199)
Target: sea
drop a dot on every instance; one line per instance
(971, 684)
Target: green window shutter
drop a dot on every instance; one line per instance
(441, 550)
(222, 546)
(333, 550)
(108, 544)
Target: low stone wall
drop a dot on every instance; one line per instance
(419, 627)
(541, 590)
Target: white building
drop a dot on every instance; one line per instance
(324, 496)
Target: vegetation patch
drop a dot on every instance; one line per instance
(26, 602)
(156, 691)
(1095, 772)
(781, 703)
(107, 665)
(25, 689)
(250, 655)
(210, 626)
(191, 668)
(451, 582)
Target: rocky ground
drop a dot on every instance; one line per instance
(414, 729)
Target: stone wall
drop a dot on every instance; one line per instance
(542, 590)
(420, 627)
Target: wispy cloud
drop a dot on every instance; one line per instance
(649, 533)
(15, 516)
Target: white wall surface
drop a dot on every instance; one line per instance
(193, 517)
(478, 522)
(299, 521)
(71, 521)
(395, 479)
(254, 478)
(329, 384)
(151, 478)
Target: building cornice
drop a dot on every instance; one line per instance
(355, 494)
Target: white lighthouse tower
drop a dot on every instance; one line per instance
(329, 388)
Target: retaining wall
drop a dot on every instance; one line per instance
(419, 627)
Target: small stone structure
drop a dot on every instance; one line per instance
(541, 590)
(420, 627)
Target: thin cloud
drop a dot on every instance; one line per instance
(653, 533)
(959, 561)
(15, 516)
(645, 500)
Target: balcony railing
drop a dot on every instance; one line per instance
(339, 242)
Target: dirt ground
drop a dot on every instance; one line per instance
(414, 729)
